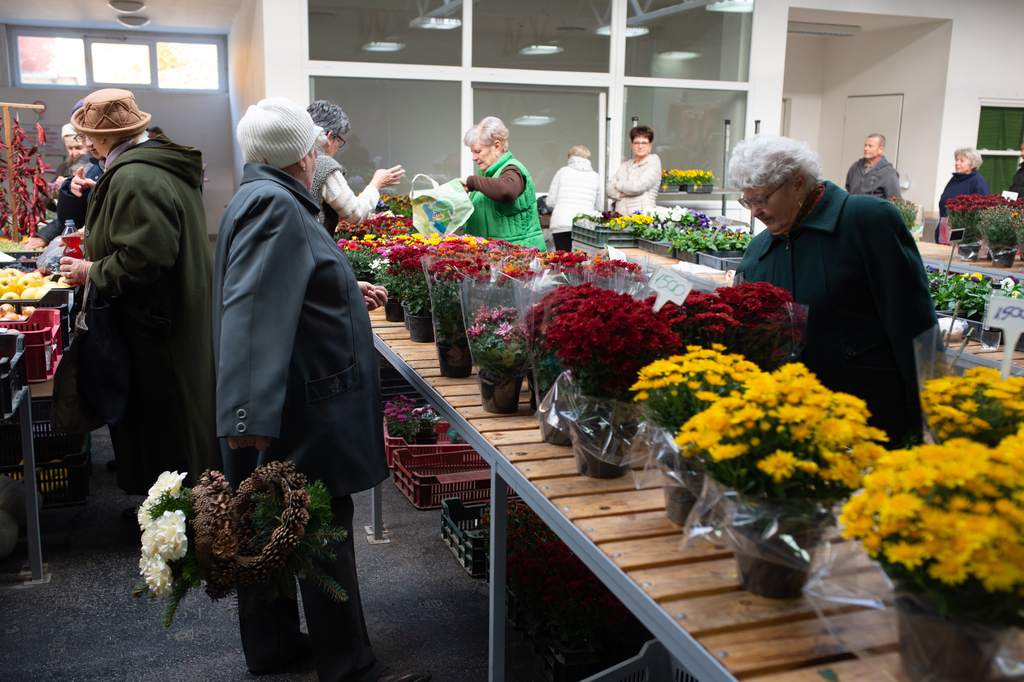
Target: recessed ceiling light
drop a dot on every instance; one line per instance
(679, 56)
(435, 23)
(127, 5)
(631, 31)
(540, 49)
(533, 121)
(133, 20)
(731, 6)
(383, 46)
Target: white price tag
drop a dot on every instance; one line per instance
(615, 254)
(670, 286)
(1007, 314)
(1012, 196)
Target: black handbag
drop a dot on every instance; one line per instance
(104, 365)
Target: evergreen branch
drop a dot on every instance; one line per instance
(328, 585)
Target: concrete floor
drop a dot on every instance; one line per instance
(422, 609)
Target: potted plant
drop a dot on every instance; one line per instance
(1001, 227)
(444, 274)
(607, 228)
(780, 455)
(700, 182)
(410, 285)
(979, 405)
(360, 253)
(946, 523)
(393, 311)
(908, 211)
(963, 212)
(497, 341)
(425, 420)
(964, 294)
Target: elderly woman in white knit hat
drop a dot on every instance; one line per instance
(297, 379)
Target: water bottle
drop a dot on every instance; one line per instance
(72, 241)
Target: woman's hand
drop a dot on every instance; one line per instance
(387, 177)
(75, 270)
(464, 185)
(374, 296)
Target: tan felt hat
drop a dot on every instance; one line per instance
(110, 112)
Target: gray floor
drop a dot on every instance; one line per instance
(422, 609)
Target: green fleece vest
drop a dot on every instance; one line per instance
(517, 222)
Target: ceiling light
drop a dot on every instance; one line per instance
(383, 46)
(571, 30)
(679, 56)
(127, 5)
(731, 6)
(540, 49)
(834, 30)
(533, 121)
(133, 20)
(435, 23)
(631, 31)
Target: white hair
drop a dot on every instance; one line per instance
(972, 156)
(486, 132)
(770, 160)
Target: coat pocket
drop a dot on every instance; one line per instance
(328, 387)
(868, 348)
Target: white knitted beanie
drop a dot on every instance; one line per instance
(277, 132)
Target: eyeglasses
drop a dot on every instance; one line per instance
(759, 202)
(342, 139)
(81, 138)
(640, 143)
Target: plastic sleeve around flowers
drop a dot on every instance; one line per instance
(664, 464)
(932, 647)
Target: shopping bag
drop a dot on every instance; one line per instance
(439, 209)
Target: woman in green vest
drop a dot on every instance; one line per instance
(504, 201)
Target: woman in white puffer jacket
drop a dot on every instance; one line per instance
(575, 189)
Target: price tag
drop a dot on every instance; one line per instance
(615, 254)
(956, 234)
(1007, 314)
(670, 286)
(1012, 196)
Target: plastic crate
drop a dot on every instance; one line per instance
(443, 446)
(571, 665)
(43, 345)
(428, 479)
(61, 483)
(48, 443)
(721, 261)
(653, 664)
(602, 236)
(12, 371)
(460, 530)
(60, 299)
(393, 384)
(660, 248)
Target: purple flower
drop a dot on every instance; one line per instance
(504, 329)
(476, 330)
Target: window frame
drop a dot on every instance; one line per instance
(90, 36)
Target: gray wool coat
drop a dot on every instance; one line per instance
(292, 340)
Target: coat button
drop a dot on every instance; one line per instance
(240, 427)
(240, 413)
(850, 352)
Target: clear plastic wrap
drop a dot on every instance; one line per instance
(554, 424)
(444, 275)
(665, 466)
(932, 647)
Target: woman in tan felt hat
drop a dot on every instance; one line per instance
(147, 251)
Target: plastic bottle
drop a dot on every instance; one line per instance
(72, 241)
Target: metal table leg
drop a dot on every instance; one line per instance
(28, 454)
(499, 524)
(376, 532)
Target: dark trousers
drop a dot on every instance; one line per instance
(563, 240)
(270, 632)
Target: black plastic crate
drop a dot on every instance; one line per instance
(461, 530)
(721, 260)
(660, 248)
(393, 384)
(62, 482)
(48, 443)
(12, 371)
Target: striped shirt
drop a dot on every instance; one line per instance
(349, 207)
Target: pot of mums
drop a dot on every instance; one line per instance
(603, 338)
(1000, 226)
(780, 455)
(445, 272)
(978, 405)
(946, 523)
(672, 391)
(410, 284)
(425, 420)
(963, 212)
(393, 311)
(359, 253)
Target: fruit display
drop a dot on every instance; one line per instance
(8, 313)
(7, 245)
(16, 285)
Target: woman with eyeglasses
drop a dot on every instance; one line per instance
(337, 200)
(852, 262)
(634, 187)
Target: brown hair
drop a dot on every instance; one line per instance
(641, 131)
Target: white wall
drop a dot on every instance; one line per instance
(804, 84)
(246, 72)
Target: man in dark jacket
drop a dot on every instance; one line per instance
(873, 174)
(1017, 184)
(297, 379)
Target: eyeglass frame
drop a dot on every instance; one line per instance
(645, 142)
(758, 201)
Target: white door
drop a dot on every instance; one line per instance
(870, 114)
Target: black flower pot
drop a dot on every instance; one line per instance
(455, 362)
(421, 328)
(549, 434)
(426, 438)
(405, 315)
(769, 568)
(968, 253)
(531, 384)
(935, 648)
(394, 311)
(678, 503)
(500, 396)
(1003, 257)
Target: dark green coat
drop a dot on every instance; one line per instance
(146, 235)
(855, 265)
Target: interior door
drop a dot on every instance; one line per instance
(867, 114)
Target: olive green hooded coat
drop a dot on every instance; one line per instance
(146, 235)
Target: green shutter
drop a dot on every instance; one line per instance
(1000, 128)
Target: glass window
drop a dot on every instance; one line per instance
(552, 35)
(688, 125)
(407, 122)
(687, 41)
(1000, 129)
(387, 31)
(120, 63)
(188, 66)
(543, 125)
(51, 61)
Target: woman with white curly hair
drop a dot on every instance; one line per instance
(852, 261)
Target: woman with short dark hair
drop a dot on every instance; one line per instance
(634, 187)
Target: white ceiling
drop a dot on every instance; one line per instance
(867, 22)
(178, 16)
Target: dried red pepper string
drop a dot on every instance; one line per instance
(28, 167)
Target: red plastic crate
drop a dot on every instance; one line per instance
(428, 479)
(43, 345)
(443, 446)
